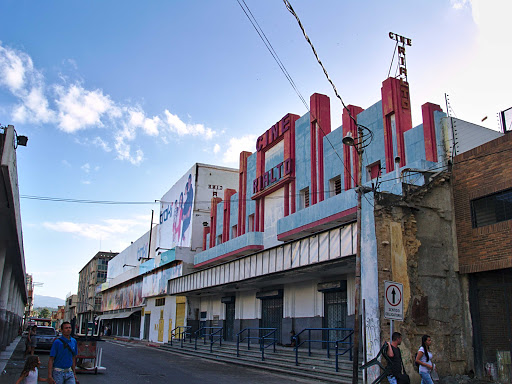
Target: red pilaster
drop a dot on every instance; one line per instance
(395, 100)
(351, 170)
(242, 192)
(206, 231)
(213, 220)
(227, 212)
(429, 131)
(320, 121)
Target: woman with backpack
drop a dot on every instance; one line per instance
(424, 360)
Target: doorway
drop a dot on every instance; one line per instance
(335, 314)
(272, 315)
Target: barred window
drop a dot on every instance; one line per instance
(335, 186)
(160, 302)
(492, 209)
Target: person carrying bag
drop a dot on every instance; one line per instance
(398, 374)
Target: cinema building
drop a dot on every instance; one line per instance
(279, 250)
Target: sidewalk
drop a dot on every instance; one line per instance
(12, 361)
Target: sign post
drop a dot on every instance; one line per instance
(393, 303)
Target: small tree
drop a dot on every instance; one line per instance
(44, 313)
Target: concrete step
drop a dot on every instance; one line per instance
(316, 367)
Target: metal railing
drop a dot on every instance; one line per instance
(213, 333)
(341, 352)
(181, 332)
(326, 333)
(262, 337)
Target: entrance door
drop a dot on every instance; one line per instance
(161, 326)
(272, 315)
(147, 320)
(180, 314)
(229, 324)
(335, 314)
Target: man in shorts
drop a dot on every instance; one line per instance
(61, 365)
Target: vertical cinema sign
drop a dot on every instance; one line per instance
(402, 67)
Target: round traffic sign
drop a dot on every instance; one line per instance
(393, 295)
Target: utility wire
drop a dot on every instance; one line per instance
(84, 201)
(292, 11)
(271, 49)
(274, 54)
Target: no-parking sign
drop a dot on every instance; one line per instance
(393, 301)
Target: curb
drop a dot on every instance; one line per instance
(5, 356)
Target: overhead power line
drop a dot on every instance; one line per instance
(84, 201)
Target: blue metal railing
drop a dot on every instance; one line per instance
(348, 347)
(181, 332)
(263, 334)
(326, 333)
(213, 333)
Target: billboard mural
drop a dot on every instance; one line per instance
(126, 296)
(176, 208)
(155, 283)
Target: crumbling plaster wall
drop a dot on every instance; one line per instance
(416, 246)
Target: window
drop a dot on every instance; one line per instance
(373, 170)
(335, 186)
(160, 302)
(492, 209)
(304, 198)
(251, 223)
(234, 231)
(219, 240)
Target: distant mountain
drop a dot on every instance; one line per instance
(47, 301)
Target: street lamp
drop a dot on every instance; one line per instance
(364, 138)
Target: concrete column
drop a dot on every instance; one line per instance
(4, 296)
(10, 315)
(2, 261)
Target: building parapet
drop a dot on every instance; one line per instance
(239, 246)
(326, 214)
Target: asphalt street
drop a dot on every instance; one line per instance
(135, 363)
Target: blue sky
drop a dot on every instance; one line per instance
(119, 99)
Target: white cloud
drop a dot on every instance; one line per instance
(13, 68)
(216, 148)
(237, 145)
(66, 163)
(124, 151)
(73, 108)
(18, 75)
(109, 228)
(86, 168)
(86, 182)
(459, 4)
(79, 108)
(99, 142)
(138, 119)
(472, 88)
(175, 125)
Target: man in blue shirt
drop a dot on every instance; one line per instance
(61, 365)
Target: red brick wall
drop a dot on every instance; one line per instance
(476, 173)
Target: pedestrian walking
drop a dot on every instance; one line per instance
(30, 373)
(31, 341)
(398, 374)
(62, 362)
(424, 360)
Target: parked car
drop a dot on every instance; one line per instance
(45, 337)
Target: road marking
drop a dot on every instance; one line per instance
(121, 343)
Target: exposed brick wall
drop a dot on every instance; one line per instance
(476, 173)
